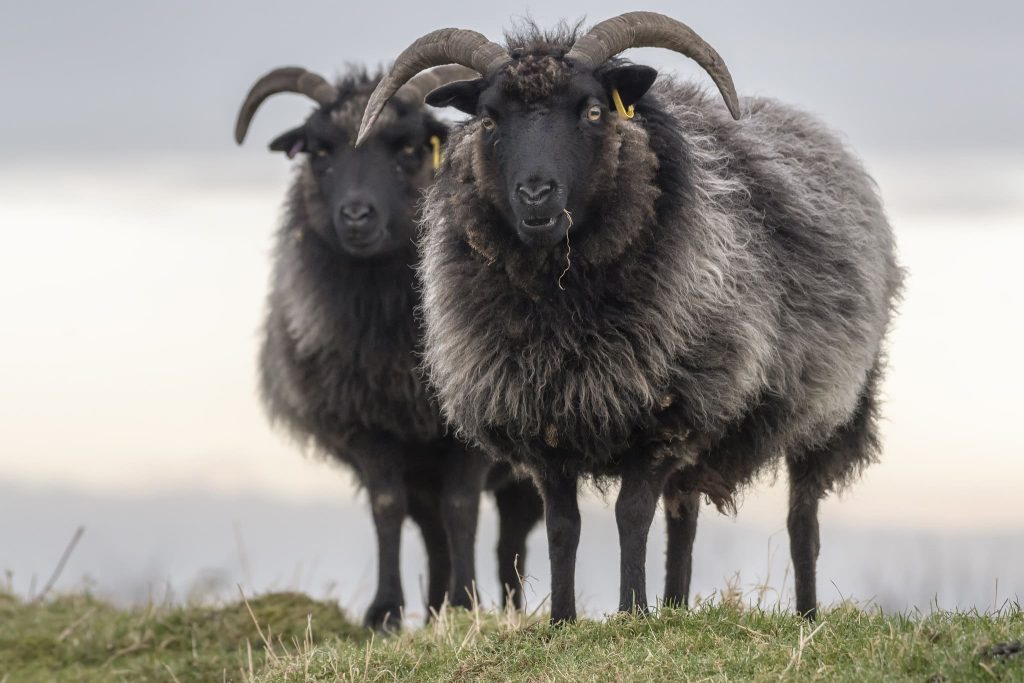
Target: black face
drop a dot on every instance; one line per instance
(370, 193)
(543, 150)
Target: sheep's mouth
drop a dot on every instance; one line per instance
(542, 230)
(540, 223)
(363, 245)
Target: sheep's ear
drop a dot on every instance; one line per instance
(291, 142)
(462, 95)
(631, 80)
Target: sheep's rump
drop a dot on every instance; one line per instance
(738, 288)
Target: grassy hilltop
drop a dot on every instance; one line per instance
(290, 637)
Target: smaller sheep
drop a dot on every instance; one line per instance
(338, 364)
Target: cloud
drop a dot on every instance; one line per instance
(120, 77)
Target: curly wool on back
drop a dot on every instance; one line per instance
(736, 284)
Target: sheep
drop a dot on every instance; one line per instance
(338, 365)
(623, 281)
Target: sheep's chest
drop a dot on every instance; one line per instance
(583, 382)
(350, 356)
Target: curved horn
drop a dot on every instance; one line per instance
(445, 46)
(422, 84)
(286, 79)
(650, 29)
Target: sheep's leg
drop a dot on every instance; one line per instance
(383, 478)
(427, 515)
(813, 474)
(634, 512)
(802, 523)
(682, 506)
(562, 517)
(519, 509)
(465, 474)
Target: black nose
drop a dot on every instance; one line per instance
(533, 193)
(357, 213)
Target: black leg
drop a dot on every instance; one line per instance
(804, 541)
(682, 506)
(520, 507)
(425, 510)
(562, 516)
(813, 475)
(634, 512)
(382, 474)
(465, 474)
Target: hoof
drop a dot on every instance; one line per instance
(384, 618)
(465, 602)
(675, 603)
(810, 614)
(563, 621)
(635, 610)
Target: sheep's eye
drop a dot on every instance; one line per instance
(322, 162)
(408, 151)
(594, 113)
(488, 123)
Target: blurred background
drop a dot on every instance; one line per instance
(135, 261)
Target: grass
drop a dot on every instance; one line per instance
(79, 638)
(298, 639)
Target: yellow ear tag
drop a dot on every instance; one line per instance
(623, 112)
(435, 142)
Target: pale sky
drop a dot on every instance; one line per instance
(136, 237)
(116, 77)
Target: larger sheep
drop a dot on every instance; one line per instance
(622, 280)
(338, 364)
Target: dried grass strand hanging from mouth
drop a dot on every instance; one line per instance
(568, 250)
